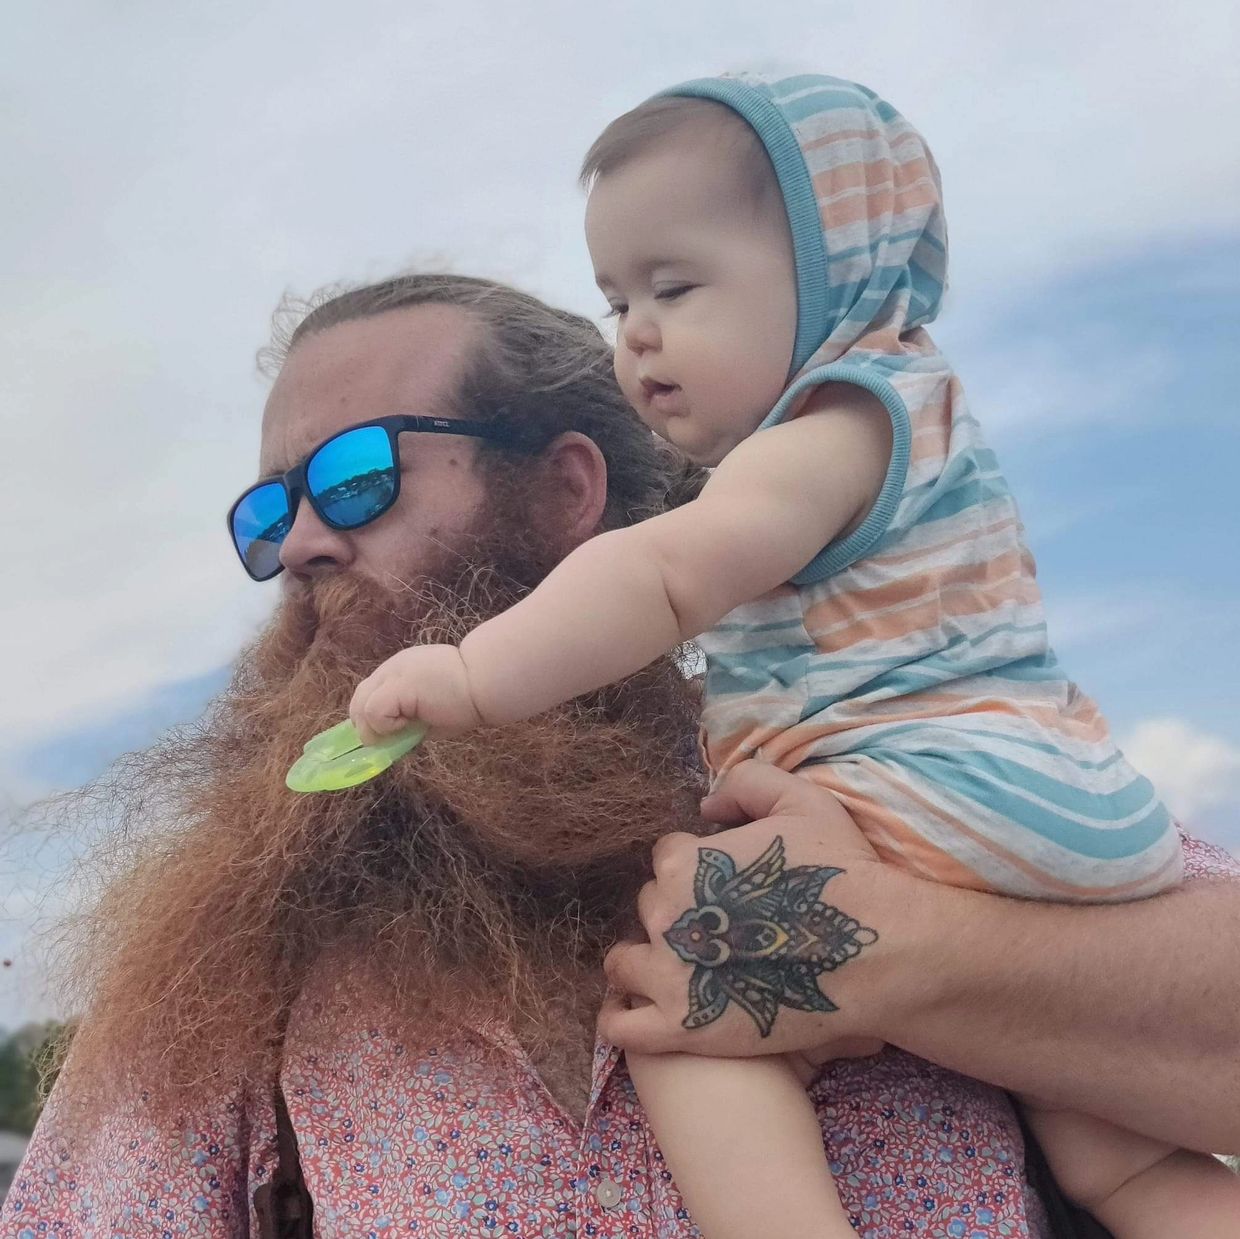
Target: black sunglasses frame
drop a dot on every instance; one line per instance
(296, 487)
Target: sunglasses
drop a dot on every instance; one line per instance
(349, 480)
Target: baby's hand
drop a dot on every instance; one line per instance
(427, 684)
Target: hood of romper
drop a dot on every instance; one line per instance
(864, 204)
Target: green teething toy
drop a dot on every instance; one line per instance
(337, 758)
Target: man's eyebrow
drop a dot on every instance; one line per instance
(268, 470)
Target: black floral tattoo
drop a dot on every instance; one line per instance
(761, 938)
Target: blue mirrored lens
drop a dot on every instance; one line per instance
(353, 477)
(260, 522)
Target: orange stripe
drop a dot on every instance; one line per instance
(851, 135)
(892, 559)
(1005, 569)
(930, 443)
(908, 621)
(905, 181)
(923, 852)
(1087, 722)
(891, 837)
(864, 208)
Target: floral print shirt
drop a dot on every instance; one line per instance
(465, 1140)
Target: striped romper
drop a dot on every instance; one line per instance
(907, 669)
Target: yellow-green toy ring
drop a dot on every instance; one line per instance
(337, 758)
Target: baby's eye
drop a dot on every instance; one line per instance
(676, 290)
(616, 310)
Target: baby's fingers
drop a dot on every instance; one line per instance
(379, 708)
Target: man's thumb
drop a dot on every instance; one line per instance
(755, 790)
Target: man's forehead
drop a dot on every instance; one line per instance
(401, 361)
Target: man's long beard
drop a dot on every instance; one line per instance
(480, 878)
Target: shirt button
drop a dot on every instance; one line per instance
(607, 1193)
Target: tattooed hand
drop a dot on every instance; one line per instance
(748, 930)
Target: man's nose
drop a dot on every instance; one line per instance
(641, 332)
(311, 548)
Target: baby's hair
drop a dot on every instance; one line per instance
(662, 119)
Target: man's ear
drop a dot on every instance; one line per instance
(578, 472)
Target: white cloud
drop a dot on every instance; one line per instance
(1087, 619)
(1197, 774)
(182, 166)
(1039, 387)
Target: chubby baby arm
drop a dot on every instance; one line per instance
(626, 597)
(743, 1143)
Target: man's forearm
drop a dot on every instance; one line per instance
(1130, 1012)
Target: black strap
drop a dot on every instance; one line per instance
(283, 1206)
(1067, 1221)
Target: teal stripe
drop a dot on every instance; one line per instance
(962, 736)
(841, 97)
(794, 625)
(988, 780)
(910, 677)
(736, 675)
(1034, 669)
(798, 82)
(1031, 668)
(971, 491)
(872, 249)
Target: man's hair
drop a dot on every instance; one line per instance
(546, 371)
(661, 120)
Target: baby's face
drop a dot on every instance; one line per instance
(703, 284)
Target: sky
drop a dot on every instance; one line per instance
(170, 171)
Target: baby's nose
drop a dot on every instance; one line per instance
(641, 333)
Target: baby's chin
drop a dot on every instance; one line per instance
(691, 445)
(704, 448)
(701, 445)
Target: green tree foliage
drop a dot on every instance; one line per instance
(21, 1057)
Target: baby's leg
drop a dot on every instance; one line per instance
(743, 1144)
(1136, 1187)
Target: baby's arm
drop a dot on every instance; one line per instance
(624, 598)
(743, 1143)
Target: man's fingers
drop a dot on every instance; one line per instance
(755, 790)
(647, 908)
(626, 966)
(667, 848)
(639, 1028)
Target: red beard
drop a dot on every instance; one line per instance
(480, 876)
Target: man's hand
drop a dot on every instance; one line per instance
(427, 684)
(1124, 1011)
(748, 931)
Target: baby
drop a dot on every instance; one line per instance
(854, 571)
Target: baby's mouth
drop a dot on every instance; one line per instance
(652, 388)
